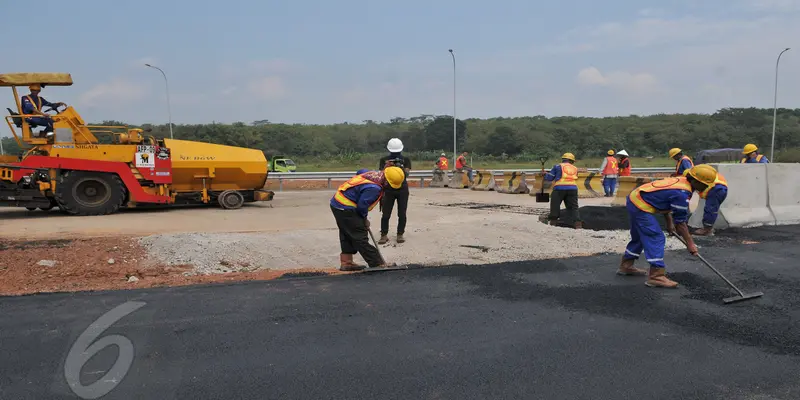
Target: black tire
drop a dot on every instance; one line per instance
(90, 193)
(30, 208)
(230, 199)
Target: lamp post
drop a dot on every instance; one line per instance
(169, 108)
(455, 152)
(775, 107)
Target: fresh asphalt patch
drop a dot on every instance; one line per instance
(549, 329)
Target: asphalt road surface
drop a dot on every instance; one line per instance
(565, 329)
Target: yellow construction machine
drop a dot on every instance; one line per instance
(65, 165)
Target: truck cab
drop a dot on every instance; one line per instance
(282, 164)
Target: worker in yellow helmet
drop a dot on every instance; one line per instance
(751, 155)
(351, 204)
(565, 189)
(32, 104)
(668, 196)
(684, 163)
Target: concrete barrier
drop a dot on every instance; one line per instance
(439, 179)
(783, 183)
(484, 180)
(747, 204)
(589, 184)
(459, 180)
(626, 184)
(514, 182)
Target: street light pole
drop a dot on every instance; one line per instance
(455, 150)
(775, 107)
(169, 108)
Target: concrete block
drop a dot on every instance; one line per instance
(784, 192)
(748, 195)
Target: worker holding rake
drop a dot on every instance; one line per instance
(351, 204)
(669, 196)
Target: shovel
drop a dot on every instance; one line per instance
(383, 260)
(741, 297)
(543, 197)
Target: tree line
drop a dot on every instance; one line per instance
(521, 138)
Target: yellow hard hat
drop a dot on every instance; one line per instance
(749, 148)
(35, 86)
(568, 156)
(674, 151)
(703, 173)
(611, 152)
(395, 176)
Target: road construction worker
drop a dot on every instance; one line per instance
(751, 155)
(441, 163)
(714, 195)
(624, 163)
(351, 204)
(609, 169)
(461, 165)
(668, 196)
(32, 104)
(565, 189)
(684, 163)
(392, 195)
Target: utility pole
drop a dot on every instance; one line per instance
(169, 108)
(775, 108)
(455, 137)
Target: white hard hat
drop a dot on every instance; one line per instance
(622, 153)
(443, 154)
(395, 145)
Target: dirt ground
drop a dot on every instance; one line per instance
(294, 234)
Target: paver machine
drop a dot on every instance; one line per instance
(65, 165)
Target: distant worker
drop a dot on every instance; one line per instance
(461, 165)
(624, 163)
(684, 163)
(32, 104)
(441, 163)
(609, 169)
(751, 155)
(350, 205)
(400, 194)
(565, 189)
(668, 196)
(714, 195)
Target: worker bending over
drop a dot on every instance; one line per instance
(609, 169)
(351, 204)
(684, 163)
(624, 163)
(668, 196)
(714, 195)
(565, 189)
(751, 155)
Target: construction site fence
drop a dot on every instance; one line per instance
(426, 176)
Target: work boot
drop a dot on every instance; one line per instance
(553, 222)
(400, 238)
(626, 268)
(384, 239)
(658, 278)
(346, 263)
(579, 225)
(704, 231)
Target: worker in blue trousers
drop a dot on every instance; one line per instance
(751, 155)
(683, 162)
(668, 196)
(714, 195)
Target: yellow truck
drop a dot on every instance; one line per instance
(66, 166)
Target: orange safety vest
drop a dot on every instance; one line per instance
(678, 165)
(758, 158)
(443, 163)
(36, 106)
(719, 181)
(626, 171)
(460, 162)
(569, 175)
(353, 182)
(611, 166)
(662, 184)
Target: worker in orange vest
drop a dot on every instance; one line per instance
(624, 163)
(441, 164)
(684, 163)
(610, 171)
(565, 189)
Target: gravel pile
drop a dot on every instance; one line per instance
(483, 237)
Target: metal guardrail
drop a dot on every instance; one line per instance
(421, 175)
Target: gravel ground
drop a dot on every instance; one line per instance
(488, 235)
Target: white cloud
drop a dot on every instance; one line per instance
(268, 88)
(117, 92)
(641, 83)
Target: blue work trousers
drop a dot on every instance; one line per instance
(609, 184)
(646, 235)
(41, 121)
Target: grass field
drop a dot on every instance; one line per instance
(317, 165)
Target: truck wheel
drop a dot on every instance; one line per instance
(30, 208)
(230, 199)
(89, 193)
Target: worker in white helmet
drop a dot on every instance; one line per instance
(624, 163)
(392, 195)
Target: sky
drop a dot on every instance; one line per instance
(317, 62)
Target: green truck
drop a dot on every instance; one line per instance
(281, 164)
